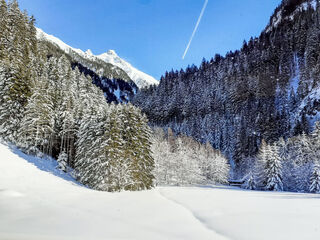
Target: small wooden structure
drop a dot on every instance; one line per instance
(236, 183)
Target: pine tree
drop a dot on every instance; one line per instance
(162, 157)
(90, 159)
(315, 179)
(315, 142)
(16, 56)
(138, 146)
(305, 155)
(223, 169)
(118, 165)
(261, 164)
(36, 127)
(4, 30)
(62, 161)
(130, 164)
(249, 182)
(274, 170)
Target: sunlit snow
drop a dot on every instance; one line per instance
(37, 202)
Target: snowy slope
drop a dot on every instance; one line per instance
(141, 79)
(66, 48)
(44, 204)
(36, 204)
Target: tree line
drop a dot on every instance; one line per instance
(287, 165)
(180, 160)
(263, 91)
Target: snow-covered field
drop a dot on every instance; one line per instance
(37, 202)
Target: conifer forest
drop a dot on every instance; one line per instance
(254, 117)
(93, 148)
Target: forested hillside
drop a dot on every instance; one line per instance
(266, 90)
(252, 111)
(49, 106)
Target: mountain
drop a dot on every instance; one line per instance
(266, 90)
(288, 9)
(116, 66)
(114, 82)
(141, 79)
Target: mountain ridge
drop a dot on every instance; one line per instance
(287, 10)
(140, 78)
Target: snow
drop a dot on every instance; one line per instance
(294, 82)
(140, 78)
(277, 19)
(36, 202)
(252, 215)
(66, 48)
(89, 52)
(313, 4)
(308, 101)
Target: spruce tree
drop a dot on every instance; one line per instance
(16, 55)
(261, 164)
(4, 30)
(36, 126)
(249, 182)
(62, 161)
(274, 170)
(315, 179)
(117, 156)
(90, 159)
(138, 145)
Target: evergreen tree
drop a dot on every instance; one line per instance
(90, 160)
(139, 147)
(261, 164)
(274, 170)
(130, 163)
(315, 179)
(16, 71)
(36, 126)
(62, 161)
(118, 161)
(249, 182)
(4, 30)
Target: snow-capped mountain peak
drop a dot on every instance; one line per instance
(112, 52)
(140, 78)
(89, 52)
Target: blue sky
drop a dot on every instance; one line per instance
(152, 34)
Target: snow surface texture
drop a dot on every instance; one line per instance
(36, 202)
(141, 79)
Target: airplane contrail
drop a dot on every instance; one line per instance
(195, 29)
